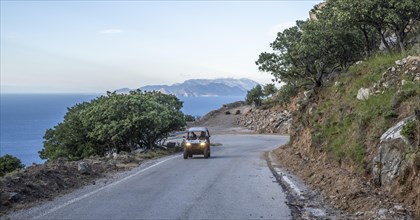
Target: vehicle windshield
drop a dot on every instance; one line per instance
(197, 135)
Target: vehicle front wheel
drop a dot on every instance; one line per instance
(207, 153)
(185, 153)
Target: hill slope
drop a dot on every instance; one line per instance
(338, 143)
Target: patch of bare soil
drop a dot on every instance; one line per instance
(342, 189)
(39, 183)
(225, 119)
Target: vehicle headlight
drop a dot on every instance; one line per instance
(188, 144)
(203, 144)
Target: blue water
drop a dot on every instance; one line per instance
(25, 118)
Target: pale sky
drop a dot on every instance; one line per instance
(96, 46)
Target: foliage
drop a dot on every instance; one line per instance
(9, 163)
(385, 17)
(308, 52)
(345, 31)
(409, 129)
(115, 122)
(269, 89)
(254, 96)
(189, 118)
(285, 94)
(401, 96)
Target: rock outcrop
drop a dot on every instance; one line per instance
(393, 157)
(266, 121)
(406, 68)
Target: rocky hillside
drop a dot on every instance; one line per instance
(273, 120)
(357, 138)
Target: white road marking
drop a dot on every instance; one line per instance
(102, 188)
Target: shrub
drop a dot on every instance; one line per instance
(115, 122)
(189, 118)
(254, 96)
(9, 163)
(286, 93)
(402, 96)
(409, 129)
(269, 89)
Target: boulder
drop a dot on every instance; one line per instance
(395, 131)
(400, 62)
(15, 196)
(390, 162)
(363, 94)
(83, 168)
(393, 156)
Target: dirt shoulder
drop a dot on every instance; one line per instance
(225, 119)
(341, 189)
(40, 183)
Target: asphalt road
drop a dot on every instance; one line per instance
(235, 183)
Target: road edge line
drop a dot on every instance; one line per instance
(102, 188)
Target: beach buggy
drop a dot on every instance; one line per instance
(197, 142)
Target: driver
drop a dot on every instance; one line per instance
(193, 136)
(202, 135)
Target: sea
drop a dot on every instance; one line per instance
(24, 118)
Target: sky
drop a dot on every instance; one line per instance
(98, 46)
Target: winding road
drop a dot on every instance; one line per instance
(235, 183)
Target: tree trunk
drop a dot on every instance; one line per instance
(384, 39)
(401, 39)
(367, 41)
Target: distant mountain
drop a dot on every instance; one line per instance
(203, 87)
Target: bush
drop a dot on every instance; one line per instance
(9, 163)
(285, 94)
(402, 96)
(114, 123)
(189, 118)
(269, 89)
(254, 96)
(409, 129)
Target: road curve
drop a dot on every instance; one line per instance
(235, 183)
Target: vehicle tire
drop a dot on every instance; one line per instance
(207, 152)
(185, 153)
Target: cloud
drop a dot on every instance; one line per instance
(111, 31)
(280, 27)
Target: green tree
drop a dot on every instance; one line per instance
(189, 118)
(115, 122)
(269, 89)
(386, 17)
(69, 139)
(345, 13)
(285, 94)
(254, 96)
(9, 163)
(308, 52)
(283, 62)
